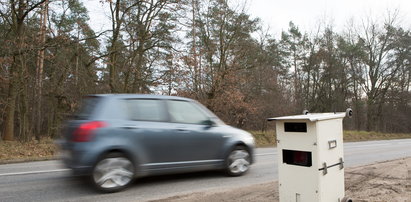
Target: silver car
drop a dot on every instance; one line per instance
(115, 138)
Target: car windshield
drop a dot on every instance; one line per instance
(210, 113)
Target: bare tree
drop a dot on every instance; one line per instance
(18, 12)
(379, 73)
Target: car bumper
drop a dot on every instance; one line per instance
(80, 161)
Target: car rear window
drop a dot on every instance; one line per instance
(87, 107)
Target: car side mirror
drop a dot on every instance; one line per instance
(209, 123)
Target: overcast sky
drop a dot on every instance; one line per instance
(306, 14)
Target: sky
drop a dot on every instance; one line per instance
(306, 14)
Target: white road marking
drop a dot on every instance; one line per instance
(34, 172)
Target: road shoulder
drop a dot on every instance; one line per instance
(383, 181)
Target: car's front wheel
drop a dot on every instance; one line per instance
(238, 161)
(113, 172)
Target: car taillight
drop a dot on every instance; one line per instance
(85, 131)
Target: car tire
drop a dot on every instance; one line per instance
(113, 173)
(238, 161)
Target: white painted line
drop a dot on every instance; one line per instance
(266, 154)
(25, 165)
(34, 172)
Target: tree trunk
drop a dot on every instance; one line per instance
(19, 13)
(15, 71)
(8, 131)
(39, 71)
(138, 83)
(371, 115)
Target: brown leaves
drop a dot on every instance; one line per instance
(32, 150)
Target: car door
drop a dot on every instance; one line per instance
(198, 142)
(148, 120)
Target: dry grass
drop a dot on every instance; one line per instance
(14, 151)
(264, 138)
(356, 136)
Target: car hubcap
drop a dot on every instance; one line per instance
(113, 172)
(239, 161)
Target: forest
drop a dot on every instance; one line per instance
(208, 50)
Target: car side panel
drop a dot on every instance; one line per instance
(155, 147)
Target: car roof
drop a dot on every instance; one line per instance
(144, 96)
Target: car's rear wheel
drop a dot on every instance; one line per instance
(238, 161)
(113, 172)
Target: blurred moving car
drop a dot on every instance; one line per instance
(115, 138)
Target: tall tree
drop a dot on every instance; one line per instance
(293, 43)
(15, 14)
(39, 68)
(219, 40)
(141, 33)
(70, 67)
(379, 73)
(352, 52)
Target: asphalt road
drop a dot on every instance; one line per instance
(50, 181)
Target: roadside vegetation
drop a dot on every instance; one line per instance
(264, 138)
(45, 149)
(356, 136)
(16, 151)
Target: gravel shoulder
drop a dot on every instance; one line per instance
(388, 181)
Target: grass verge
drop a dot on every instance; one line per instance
(15, 151)
(357, 136)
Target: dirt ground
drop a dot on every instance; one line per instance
(380, 182)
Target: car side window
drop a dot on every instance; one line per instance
(186, 112)
(146, 110)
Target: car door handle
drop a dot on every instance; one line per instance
(130, 127)
(183, 130)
